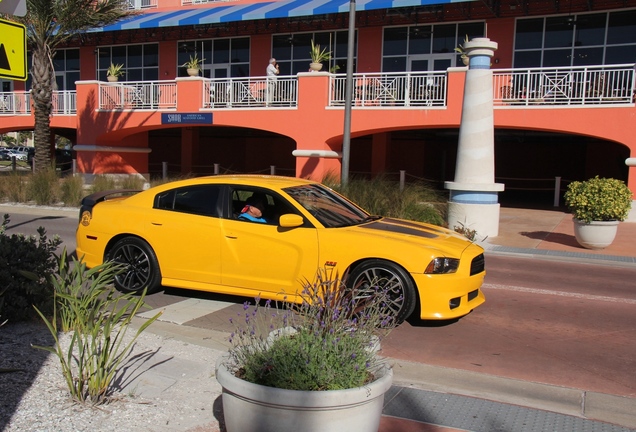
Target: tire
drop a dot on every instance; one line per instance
(141, 268)
(389, 276)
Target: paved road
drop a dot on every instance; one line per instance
(545, 321)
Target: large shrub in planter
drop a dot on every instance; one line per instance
(598, 199)
(20, 254)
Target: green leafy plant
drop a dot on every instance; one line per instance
(598, 199)
(88, 306)
(460, 49)
(19, 255)
(115, 70)
(193, 63)
(327, 342)
(317, 54)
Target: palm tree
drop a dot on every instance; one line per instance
(49, 24)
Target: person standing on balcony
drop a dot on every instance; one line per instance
(272, 71)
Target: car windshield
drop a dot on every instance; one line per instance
(328, 207)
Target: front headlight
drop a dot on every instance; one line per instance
(442, 266)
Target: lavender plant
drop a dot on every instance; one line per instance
(329, 341)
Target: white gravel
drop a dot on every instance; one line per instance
(165, 385)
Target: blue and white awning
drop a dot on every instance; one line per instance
(224, 13)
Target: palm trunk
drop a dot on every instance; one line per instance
(41, 95)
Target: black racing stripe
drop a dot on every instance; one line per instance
(401, 228)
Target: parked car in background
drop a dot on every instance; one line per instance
(13, 153)
(64, 160)
(4, 155)
(190, 234)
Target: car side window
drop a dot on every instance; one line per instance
(274, 205)
(200, 200)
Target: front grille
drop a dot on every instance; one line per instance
(478, 265)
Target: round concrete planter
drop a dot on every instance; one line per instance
(596, 234)
(251, 407)
(315, 66)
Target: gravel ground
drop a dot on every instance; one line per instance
(165, 385)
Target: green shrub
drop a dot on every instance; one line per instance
(87, 304)
(133, 182)
(15, 186)
(380, 196)
(103, 183)
(72, 191)
(43, 187)
(20, 254)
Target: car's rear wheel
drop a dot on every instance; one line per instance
(140, 266)
(390, 278)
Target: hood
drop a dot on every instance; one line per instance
(446, 241)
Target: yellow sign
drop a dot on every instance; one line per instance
(13, 59)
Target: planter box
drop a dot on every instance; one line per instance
(252, 407)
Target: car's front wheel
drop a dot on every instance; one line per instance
(140, 266)
(392, 279)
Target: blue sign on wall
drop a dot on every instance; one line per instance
(186, 118)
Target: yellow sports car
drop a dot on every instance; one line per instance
(263, 236)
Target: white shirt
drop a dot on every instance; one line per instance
(272, 72)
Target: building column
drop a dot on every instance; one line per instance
(473, 195)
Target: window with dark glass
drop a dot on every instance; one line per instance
(292, 50)
(230, 55)
(200, 200)
(141, 62)
(576, 40)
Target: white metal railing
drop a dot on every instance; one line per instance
(401, 89)
(138, 95)
(15, 103)
(585, 85)
(64, 102)
(142, 4)
(191, 2)
(250, 92)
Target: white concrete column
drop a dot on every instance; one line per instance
(473, 194)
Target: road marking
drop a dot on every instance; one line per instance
(186, 310)
(559, 293)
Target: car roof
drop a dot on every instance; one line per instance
(276, 182)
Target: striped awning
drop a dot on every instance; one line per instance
(222, 12)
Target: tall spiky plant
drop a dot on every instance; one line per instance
(49, 24)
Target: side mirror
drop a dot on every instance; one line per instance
(291, 221)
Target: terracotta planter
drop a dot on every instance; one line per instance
(596, 234)
(251, 407)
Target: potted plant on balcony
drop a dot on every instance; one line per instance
(462, 51)
(597, 206)
(114, 71)
(193, 66)
(318, 56)
(314, 364)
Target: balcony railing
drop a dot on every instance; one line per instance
(152, 95)
(191, 2)
(142, 4)
(64, 102)
(250, 92)
(15, 103)
(512, 88)
(406, 89)
(587, 85)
